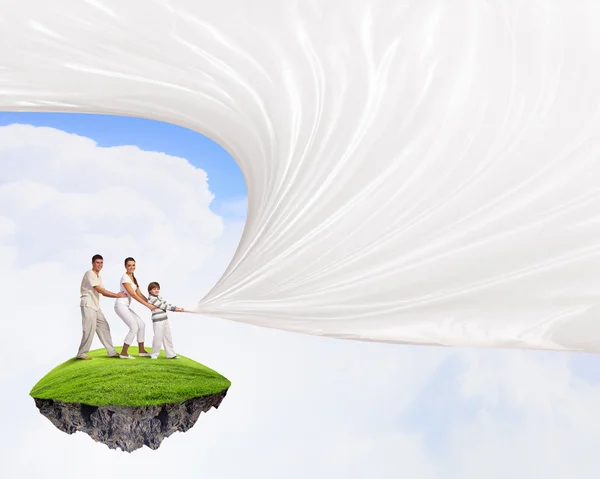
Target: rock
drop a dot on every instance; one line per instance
(128, 428)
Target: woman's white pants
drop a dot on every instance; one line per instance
(162, 337)
(136, 326)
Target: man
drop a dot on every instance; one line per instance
(92, 318)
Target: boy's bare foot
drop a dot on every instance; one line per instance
(86, 357)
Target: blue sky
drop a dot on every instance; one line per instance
(224, 176)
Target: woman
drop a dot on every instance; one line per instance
(137, 327)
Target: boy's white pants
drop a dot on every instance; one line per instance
(162, 337)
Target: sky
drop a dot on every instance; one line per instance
(226, 179)
(299, 406)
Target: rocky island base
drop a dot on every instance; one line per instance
(128, 404)
(124, 427)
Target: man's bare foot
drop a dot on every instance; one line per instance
(86, 357)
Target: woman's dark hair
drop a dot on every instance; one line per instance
(127, 260)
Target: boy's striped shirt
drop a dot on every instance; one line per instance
(160, 314)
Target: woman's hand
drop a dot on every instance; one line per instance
(151, 307)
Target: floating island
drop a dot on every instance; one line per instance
(128, 404)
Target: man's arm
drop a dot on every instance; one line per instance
(109, 294)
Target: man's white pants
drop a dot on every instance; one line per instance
(94, 322)
(136, 326)
(162, 337)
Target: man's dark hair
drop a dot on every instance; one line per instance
(97, 256)
(153, 285)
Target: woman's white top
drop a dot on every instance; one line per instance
(126, 279)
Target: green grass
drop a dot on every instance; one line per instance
(105, 381)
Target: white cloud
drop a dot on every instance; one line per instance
(71, 197)
(299, 406)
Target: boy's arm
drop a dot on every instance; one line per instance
(171, 307)
(156, 301)
(162, 304)
(167, 306)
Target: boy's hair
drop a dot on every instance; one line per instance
(153, 285)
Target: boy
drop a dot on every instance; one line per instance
(160, 322)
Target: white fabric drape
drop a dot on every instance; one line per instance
(418, 171)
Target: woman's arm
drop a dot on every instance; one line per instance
(135, 296)
(139, 293)
(148, 303)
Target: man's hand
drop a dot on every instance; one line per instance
(121, 294)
